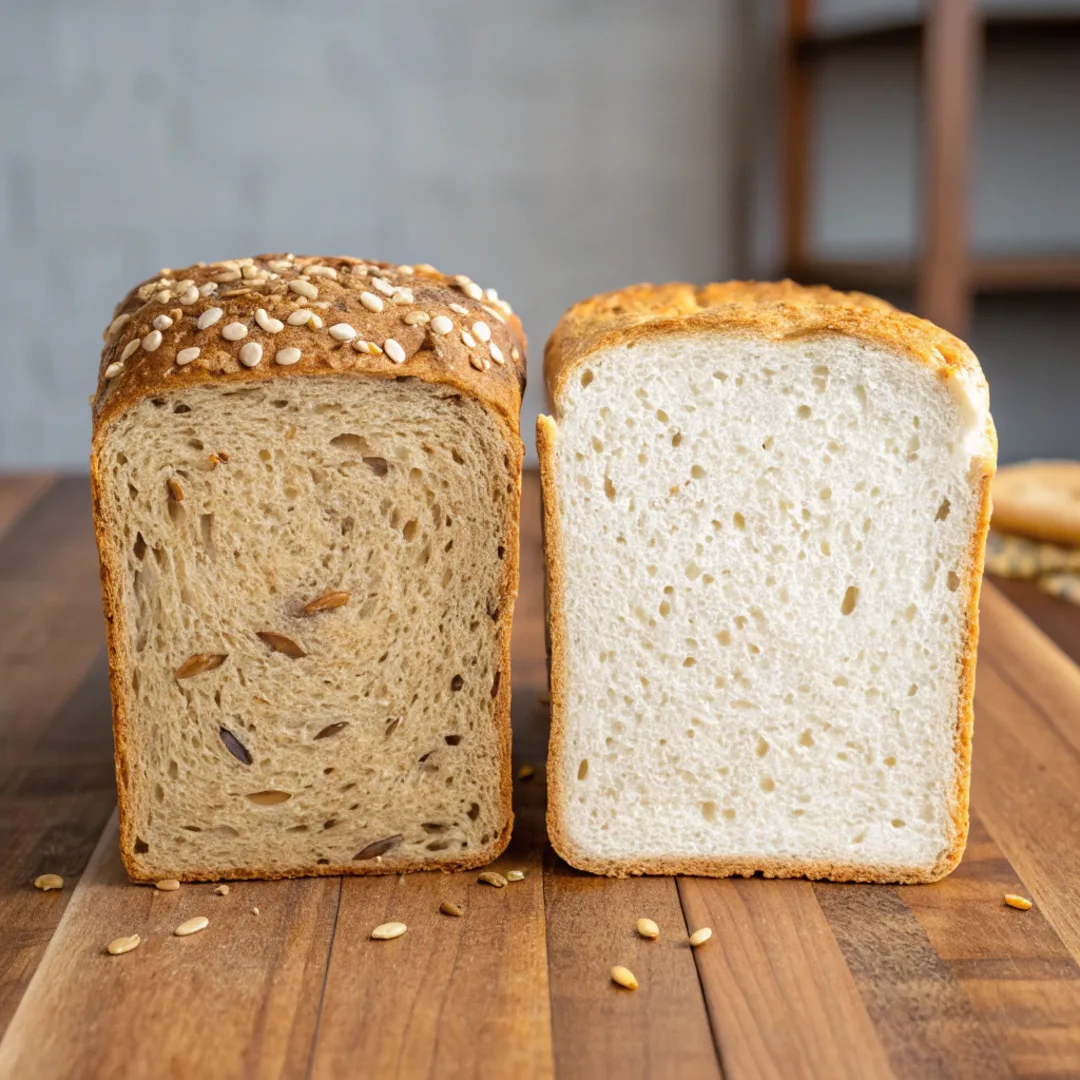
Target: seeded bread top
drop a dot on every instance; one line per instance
(243, 320)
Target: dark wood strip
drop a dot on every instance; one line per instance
(781, 999)
(19, 492)
(58, 522)
(1057, 619)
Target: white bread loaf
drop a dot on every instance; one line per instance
(306, 477)
(765, 517)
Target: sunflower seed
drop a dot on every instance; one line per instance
(378, 847)
(326, 603)
(648, 929)
(624, 977)
(1021, 903)
(192, 926)
(447, 907)
(332, 729)
(387, 931)
(515, 875)
(222, 890)
(304, 289)
(45, 882)
(199, 663)
(490, 877)
(186, 356)
(119, 946)
(699, 937)
(167, 885)
(280, 643)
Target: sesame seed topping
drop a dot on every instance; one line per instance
(321, 271)
(394, 351)
(441, 325)
(496, 353)
(491, 294)
(304, 288)
(515, 354)
(152, 340)
(227, 276)
(383, 286)
(494, 314)
(371, 301)
(129, 348)
(185, 356)
(367, 346)
(473, 291)
(280, 265)
(243, 262)
(342, 332)
(468, 339)
(416, 318)
(163, 297)
(162, 322)
(209, 317)
(461, 309)
(251, 354)
(406, 270)
(234, 331)
(189, 295)
(315, 323)
(403, 296)
(181, 286)
(481, 331)
(461, 280)
(287, 357)
(270, 325)
(113, 369)
(479, 361)
(299, 317)
(249, 272)
(208, 288)
(117, 325)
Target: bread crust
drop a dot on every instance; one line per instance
(1037, 499)
(444, 359)
(774, 311)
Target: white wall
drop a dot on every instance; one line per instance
(551, 149)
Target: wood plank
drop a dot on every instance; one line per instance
(782, 1001)
(1016, 972)
(17, 493)
(239, 999)
(1057, 619)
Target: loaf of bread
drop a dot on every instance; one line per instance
(306, 479)
(765, 517)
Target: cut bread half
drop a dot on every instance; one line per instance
(765, 517)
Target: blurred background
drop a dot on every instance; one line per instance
(926, 152)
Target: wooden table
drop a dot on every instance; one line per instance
(799, 979)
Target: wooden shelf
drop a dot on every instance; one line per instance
(990, 274)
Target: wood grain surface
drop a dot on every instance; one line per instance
(799, 979)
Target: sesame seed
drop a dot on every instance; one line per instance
(227, 276)
(493, 313)
(342, 332)
(208, 288)
(360, 345)
(152, 340)
(425, 268)
(461, 309)
(699, 937)
(441, 325)
(416, 318)
(515, 354)
(251, 354)
(394, 351)
(270, 325)
(234, 331)
(129, 348)
(299, 317)
(491, 294)
(113, 369)
(315, 323)
(403, 296)
(478, 361)
(189, 295)
(321, 271)
(496, 353)
(304, 288)
(186, 356)
(468, 339)
(209, 317)
(162, 322)
(117, 325)
(473, 291)
(371, 301)
(383, 286)
(461, 280)
(406, 270)
(287, 357)
(481, 331)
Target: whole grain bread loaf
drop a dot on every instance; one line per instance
(306, 478)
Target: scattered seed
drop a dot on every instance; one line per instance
(45, 882)
(200, 663)
(481, 331)
(387, 931)
(234, 331)
(222, 890)
(342, 332)
(119, 946)
(515, 875)
(163, 297)
(460, 309)
(189, 295)
(117, 325)
(192, 926)
(152, 341)
(299, 317)
(416, 318)
(176, 492)
(403, 296)
(394, 351)
(448, 907)
(162, 322)
(287, 357)
(441, 325)
(327, 602)
(383, 286)
(113, 369)
(367, 347)
(1021, 903)
(167, 885)
(371, 301)
(267, 322)
(186, 356)
(251, 354)
(481, 363)
(468, 339)
(490, 877)
(624, 977)
(648, 929)
(304, 288)
(227, 277)
(131, 347)
(699, 937)
(526, 771)
(280, 643)
(496, 352)
(208, 288)
(209, 317)
(321, 271)
(254, 911)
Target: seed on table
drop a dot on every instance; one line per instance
(192, 926)
(526, 772)
(448, 907)
(254, 911)
(388, 930)
(168, 885)
(624, 977)
(648, 929)
(699, 937)
(48, 881)
(1021, 903)
(515, 875)
(222, 890)
(119, 946)
(490, 877)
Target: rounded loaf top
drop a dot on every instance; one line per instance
(274, 315)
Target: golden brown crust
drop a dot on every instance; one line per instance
(448, 359)
(774, 311)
